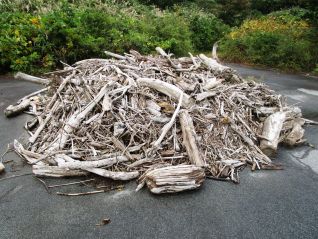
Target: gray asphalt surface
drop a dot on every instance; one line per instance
(266, 204)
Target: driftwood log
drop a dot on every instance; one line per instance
(271, 132)
(189, 139)
(174, 179)
(167, 89)
(34, 79)
(13, 110)
(56, 172)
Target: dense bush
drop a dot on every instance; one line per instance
(23, 43)
(205, 27)
(277, 40)
(32, 42)
(36, 34)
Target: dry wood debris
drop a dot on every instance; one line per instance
(169, 122)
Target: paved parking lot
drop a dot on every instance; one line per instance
(266, 204)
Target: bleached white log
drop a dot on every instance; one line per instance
(167, 89)
(205, 95)
(189, 139)
(312, 122)
(13, 110)
(115, 55)
(173, 179)
(212, 83)
(164, 54)
(161, 52)
(34, 79)
(107, 162)
(23, 103)
(56, 171)
(125, 176)
(271, 131)
(212, 63)
(66, 158)
(214, 51)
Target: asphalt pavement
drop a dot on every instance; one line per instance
(266, 204)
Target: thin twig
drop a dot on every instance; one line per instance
(73, 183)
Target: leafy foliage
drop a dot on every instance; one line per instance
(32, 42)
(277, 40)
(36, 34)
(205, 28)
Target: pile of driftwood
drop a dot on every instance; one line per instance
(170, 123)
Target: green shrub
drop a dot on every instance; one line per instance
(206, 30)
(36, 43)
(23, 43)
(205, 27)
(278, 40)
(173, 34)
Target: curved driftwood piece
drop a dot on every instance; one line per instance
(34, 79)
(13, 110)
(125, 176)
(164, 54)
(115, 55)
(214, 51)
(161, 52)
(173, 179)
(22, 104)
(107, 162)
(212, 63)
(167, 89)
(56, 171)
(189, 139)
(30, 157)
(271, 131)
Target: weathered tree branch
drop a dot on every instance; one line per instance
(34, 79)
(189, 139)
